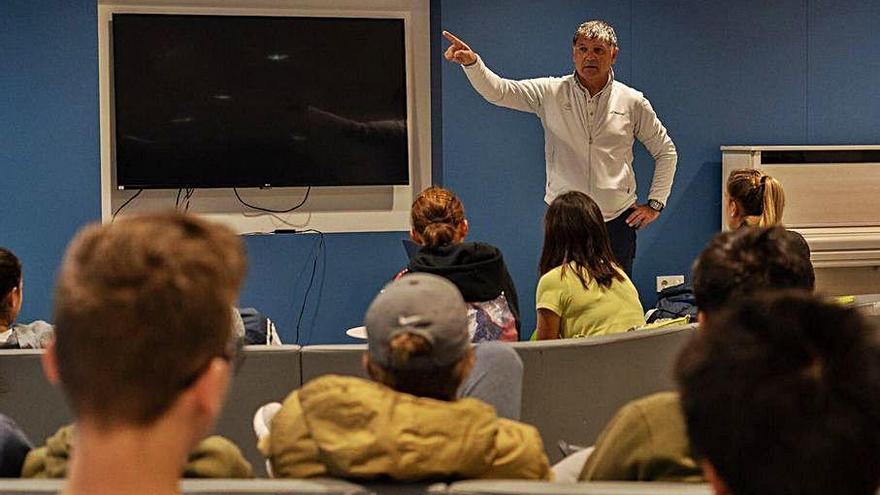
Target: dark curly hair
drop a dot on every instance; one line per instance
(738, 262)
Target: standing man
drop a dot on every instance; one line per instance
(590, 122)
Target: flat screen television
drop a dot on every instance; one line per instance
(202, 101)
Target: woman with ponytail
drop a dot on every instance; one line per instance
(477, 269)
(754, 199)
(407, 424)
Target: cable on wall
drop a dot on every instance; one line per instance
(269, 210)
(319, 251)
(123, 205)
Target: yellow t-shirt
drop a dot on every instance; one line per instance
(593, 311)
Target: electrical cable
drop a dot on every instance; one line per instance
(269, 210)
(187, 197)
(319, 249)
(129, 200)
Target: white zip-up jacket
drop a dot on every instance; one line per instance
(587, 140)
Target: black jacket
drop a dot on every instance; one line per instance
(14, 446)
(476, 268)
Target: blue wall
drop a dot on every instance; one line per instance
(48, 135)
(746, 72)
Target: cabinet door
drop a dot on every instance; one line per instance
(829, 195)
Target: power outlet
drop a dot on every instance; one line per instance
(665, 281)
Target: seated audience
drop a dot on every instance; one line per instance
(477, 269)
(406, 424)
(647, 440)
(34, 335)
(582, 292)
(781, 395)
(752, 199)
(143, 349)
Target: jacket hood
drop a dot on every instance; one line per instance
(347, 427)
(365, 429)
(474, 267)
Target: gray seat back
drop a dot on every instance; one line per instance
(31, 486)
(571, 388)
(869, 305)
(267, 374)
(318, 360)
(272, 487)
(514, 487)
(220, 486)
(26, 396)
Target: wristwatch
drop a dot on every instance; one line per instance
(655, 205)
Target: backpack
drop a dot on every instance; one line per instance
(675, 302)
(258, 330)
(492, 320)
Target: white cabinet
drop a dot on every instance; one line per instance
(831, 197)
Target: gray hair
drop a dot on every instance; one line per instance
(596, 29)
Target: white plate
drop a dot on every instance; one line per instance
(357, 332)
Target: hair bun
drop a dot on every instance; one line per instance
(405, 346)
(435, 216)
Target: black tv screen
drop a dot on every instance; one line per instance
(251, 101)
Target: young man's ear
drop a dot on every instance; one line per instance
(376, 373)
(717, 484)
(49, 360)
(209, 391)
(701, 317)
(371, 371)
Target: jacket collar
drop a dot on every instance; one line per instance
(587, 91)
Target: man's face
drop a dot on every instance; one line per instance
(593, 59)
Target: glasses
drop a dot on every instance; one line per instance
(233, 354)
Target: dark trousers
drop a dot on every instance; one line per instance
(623, 242)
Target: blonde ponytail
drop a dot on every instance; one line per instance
(773, 200)
(759, 197)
